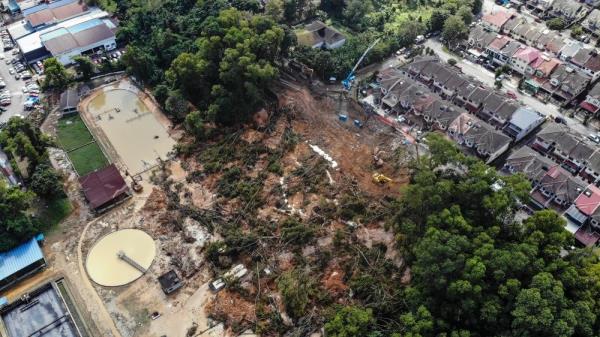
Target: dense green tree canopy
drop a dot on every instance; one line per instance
(556, 24)
(233, 65)
(475, 270)
(22, 141)
(56, 75)
(455, 29)
(351, 322)
(46, 183)
(16, 225)
(85, 66)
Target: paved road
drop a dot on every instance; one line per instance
(487, 77)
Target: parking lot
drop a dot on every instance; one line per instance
(13, 86)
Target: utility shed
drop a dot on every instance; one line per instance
(104, 188)
(68, 102)
(169, 282)
(20, 262)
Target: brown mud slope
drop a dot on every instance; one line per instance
(351, 147)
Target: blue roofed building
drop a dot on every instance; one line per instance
(21, 262)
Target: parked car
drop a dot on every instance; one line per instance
(560, 120)
(11, 71)
(511, 94)
(217, 285)
(26, 75)
(489, 66)
(594, 138)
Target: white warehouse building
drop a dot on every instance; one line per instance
(79, 35)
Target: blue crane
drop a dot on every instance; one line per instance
(351, 76)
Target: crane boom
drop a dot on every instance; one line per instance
(348, 81)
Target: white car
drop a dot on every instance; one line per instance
(11, 71)
(216, 285)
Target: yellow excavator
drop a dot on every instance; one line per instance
(379, 178)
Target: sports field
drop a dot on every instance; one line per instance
(77, 141)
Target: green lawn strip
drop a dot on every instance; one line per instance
(52, 212)
(88, 159)
(72, 133)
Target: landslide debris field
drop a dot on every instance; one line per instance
(291, 199)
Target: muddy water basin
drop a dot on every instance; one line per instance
(137, 134)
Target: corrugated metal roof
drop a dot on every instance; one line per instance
(85, 25)
(32, 42)
(20, 257)
(41, 17)
(93, 35)
(103, 186)
(83, 35)
(56, 14)
(43, 6)
(53, 34)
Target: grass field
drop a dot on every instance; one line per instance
(78, 142)
(72, 133)
(88, 158)
(54, 212)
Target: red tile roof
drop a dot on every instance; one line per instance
(589, 107)
(103, 186)
(497, 19)
(586, 237)
(499, 42)
(588, 201)
(545, 65)
(527, 54)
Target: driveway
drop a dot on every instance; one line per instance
(487, 77)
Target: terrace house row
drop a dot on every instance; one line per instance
(547, 76)
(536, 7)
(568, 10)
(529, 33)
(401, 94)
(499, 111)
(569, 150)
(547, 42)
(553, 187)
(591, 23)
(592, 100)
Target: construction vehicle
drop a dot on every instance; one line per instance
(380, 178)
(347, 82)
